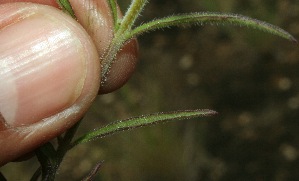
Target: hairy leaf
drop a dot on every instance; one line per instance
(136, 122)
(209, 18)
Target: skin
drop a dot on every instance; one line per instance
(50, 69)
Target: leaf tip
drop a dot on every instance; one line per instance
(209, 112)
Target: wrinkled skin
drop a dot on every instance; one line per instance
(42, 118)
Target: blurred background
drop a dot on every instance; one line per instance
(251, 78)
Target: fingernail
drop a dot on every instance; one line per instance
(42, 69)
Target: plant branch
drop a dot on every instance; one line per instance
(123, 28)
(50, 159)
(179, 20)
(67, 139)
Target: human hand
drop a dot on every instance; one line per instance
(49, 74)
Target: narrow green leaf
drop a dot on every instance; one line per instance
(46, 164)
(49, 152)
(66, 7)
(209, 18)
(114, 11)
(141, 121)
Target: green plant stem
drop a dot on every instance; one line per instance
(67, 139)
(131, 15)
(51, 162)
(125, 32)
(109, 57)
(122, 30)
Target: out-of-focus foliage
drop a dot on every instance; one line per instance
(249, 77)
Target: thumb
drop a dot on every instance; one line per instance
(49, 74)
